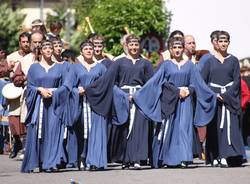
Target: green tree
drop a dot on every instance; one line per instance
(109, 17)
(10, 22)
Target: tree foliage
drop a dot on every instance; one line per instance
(10, 22)
(109, 17)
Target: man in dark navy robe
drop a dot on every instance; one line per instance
(222, 73)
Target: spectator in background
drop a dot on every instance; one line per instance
(55, 30)
(16, 127)
(4, 73)
(245, 105)
(38, 25)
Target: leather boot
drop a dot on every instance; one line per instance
(17, 147)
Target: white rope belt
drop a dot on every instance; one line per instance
(164, 127)
(132, 90)
(40, 122)
(87, 117)
(224, 110)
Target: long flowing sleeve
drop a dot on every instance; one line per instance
(205, 58)
(231, 97)
(205, 99)
(100, 92)
(33, 99)
(148, 98)
(169, 99)
(149, 70)
(59, 102)
(121, 106)
(61, 94)
(73, 106)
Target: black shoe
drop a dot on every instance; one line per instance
(93, 168)
(184, 164)
(81, 164)
(13, 154)
(16, 148)
(125, 166)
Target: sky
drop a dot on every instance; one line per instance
(200, 17)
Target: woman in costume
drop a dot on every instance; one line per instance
(167, 98)
(89, 127)
(130, 138)
(46, 94)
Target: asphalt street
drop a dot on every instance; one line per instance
(198, 173)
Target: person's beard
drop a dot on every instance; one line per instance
(26, 49)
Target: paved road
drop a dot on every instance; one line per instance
(197, 174)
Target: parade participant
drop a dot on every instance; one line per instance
(57, 58)
(166, 55)
(214, 39)
(46, 95)
(57, 47)
(99, 55)
(195, 55)
(68, 56)
(173, 140)
(124, 46)
(16, 127)
(130, 133)
(204, 58)
(222, 73)
(190, 47)
(89, 127)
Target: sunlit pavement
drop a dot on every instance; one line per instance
(197, 173)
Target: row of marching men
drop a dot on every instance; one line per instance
(98, 111)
